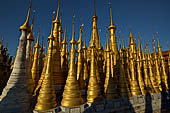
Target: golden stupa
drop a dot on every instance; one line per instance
(71, 95)
(47, 98)
(110, 89)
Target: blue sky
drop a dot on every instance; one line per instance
(144, 16)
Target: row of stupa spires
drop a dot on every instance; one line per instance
(42, 82)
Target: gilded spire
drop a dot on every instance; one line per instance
(93, 87)
(151, 74)
(123, 41)
(157, 72)
(67, 54)
(133, 84)
(147, 80)
(64, 40)
(119, 43)
(139, 48)
(139, 75)
(80, 62)
(154, 48)
(59, 79)
(100, 46)
(131, 43)
(41, 78)
(37, 45)
(26, 26)
(94, 8)
(47, 98)
(64, 66)
(60, 31)
(86, 75)
(110, 83)
(72, 86)
(122, 84)
(112, 26)
(29, 56)
(73, 42)
(113, 42)
(63, 50)
(79, 42)
(57, 16)
(84, 45)
(35, 70)
(30, 35)
(159, 46)
(94, 35)
(111, 18)
(80, 74)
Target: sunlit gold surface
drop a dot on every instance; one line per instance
(35, 70)
(80, 66)
(64, 66)
(85, 72)
(113, 43)
(60, 32)
(110, 89)
(163, 71)
(152, 77)
(93, 87)
(47, 98)
(26, 26)
(71, 95)
(156, 67)
(57, 73)
(139, 76)
(122, 87)
(133, 84)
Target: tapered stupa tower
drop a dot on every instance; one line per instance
(93, 87)
(94, 34)
(113, 42)
(47, 98)
(79, 57)
(152, 76)
(41, 57)
(162, 64)
(58, 77)
(122, 87)
(60, 32)
(80, 66)
(133, 83)
(71, 95)
(64, 66)
(147, 80)
(12, 99)
(110, 89)
(156, 67)
(85, 72)
(139, 75)
(35, 70)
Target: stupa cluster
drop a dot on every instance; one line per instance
(42, 82)
(6, 64)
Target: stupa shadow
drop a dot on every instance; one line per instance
(165, 101)
(120, 105)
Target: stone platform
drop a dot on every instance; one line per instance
(149, 103)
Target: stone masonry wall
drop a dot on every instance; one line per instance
(149, 103)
